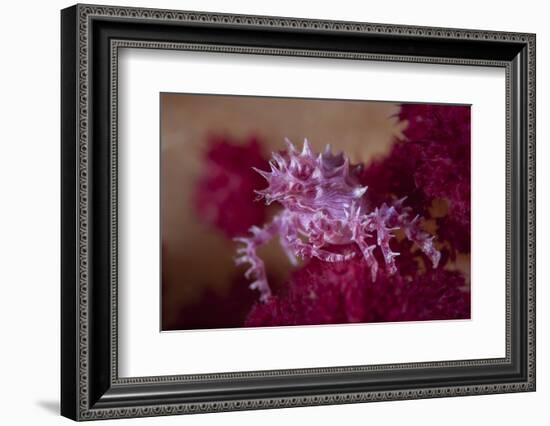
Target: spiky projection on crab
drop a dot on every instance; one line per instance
(323, 207)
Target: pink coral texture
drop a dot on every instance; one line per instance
(222, 194)
(337, 293)
(327, 215)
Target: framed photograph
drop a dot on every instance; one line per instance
(263, 212)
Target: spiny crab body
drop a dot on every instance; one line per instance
(324, 207)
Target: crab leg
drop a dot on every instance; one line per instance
(247, 255)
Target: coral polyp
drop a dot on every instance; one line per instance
(326, 214)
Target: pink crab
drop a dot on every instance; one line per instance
(325, 215)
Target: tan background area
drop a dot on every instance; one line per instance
(195, 256)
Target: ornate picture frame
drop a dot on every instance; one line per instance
(91, 37)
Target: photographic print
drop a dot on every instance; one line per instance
(361, 192)
(288, 212)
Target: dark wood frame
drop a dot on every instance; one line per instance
(90, 386)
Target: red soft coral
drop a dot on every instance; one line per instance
(444, 123)
(343, 292)
(444, 171)
(224, 194)
(433, 162)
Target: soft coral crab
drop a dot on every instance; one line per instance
(324, 207)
